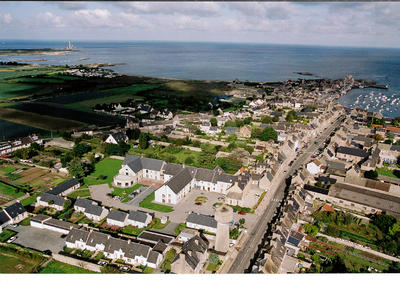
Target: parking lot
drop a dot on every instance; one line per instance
(38, 239)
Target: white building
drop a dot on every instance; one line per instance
(314, 167)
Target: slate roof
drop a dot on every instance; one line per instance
(60, 224)
(15, 210)
(227, 178)
(172, 169)
(352, 151)
(83, 203)
(94, 210)
(119, 137)
(77, 235)
(138, 163)
(60, 188)
(97, 238)
(205, 175)
(58, 200)
(155, 237)
(395, 148)
(202, 219)
(229, 130)
(4, 218)
(177, 183)
(136, 249)
(190, 249)
(40, 218)
(153, 257)
(138, 216)
(117, 215)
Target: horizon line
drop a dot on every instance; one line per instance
(202, 42)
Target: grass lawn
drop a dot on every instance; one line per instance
(28, 201)
(107, 167)
(132, 230)
(147, 203)
(8, 169)
(212, 267)
(201, 199)
(9, 191)
(148, 270)
(158, 225)
(23, 262)
(169, 257)
(385, 172)
(99, 256)
(123, 192)
(179, 228)
(59, 267)
(26, 222)
(6, 234)
(83, 193)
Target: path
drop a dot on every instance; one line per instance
(136, 201)
(359, 247)
(17, 199)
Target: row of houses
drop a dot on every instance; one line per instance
(8, 147)
(113, 248)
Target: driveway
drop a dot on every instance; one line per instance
(135, 201)
(38, 239)
(99, 193)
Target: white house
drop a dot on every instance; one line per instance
(139, 219)
(90, 209)
(201, 222)
(115, 138)
(117, 218)
(46, 222)
(65, 188)
(314, 167)
(16, 212)
(50, 200)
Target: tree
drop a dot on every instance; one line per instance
(266, 120)
(208, 148)
(189, 161)
(269, 134)
(133, 134)
(395, 228)
(77, 169)
(213, 121)
(398, 160)
(311, 229)
(377, 137)
(37, 147)
(242, 221)
(260, 158)
(371, 174)
(332, 230)
(229, 164)
(66, 135)
(66, 159)
(275, 118)
(291, 116)
(383, 221)
(143, 141)
(80, 149)
(231, 138)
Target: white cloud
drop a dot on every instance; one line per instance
(6, 18)
(49, 18)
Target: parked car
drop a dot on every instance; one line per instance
(14, 225)
(221, 198)
(12, 239)
(241, 213)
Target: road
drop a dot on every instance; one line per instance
(244, 256)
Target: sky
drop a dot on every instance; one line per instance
(363, 24)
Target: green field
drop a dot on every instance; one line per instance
(147, 203)
(59, 267)
(28, 201)
(132, 230)
(107, 167)
(385, 172)
(83, 193)
(9, 191)
(6, 234)
(22, 262)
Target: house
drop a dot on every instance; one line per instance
(16, 212)
(245, 131)
(117, 137)
(49, 200)
(4, 220)
(8, 147)
(201, 222)
(46, 222)
(230, 130)
(139, 219)
(349, 154)
(192, 257)
(314, 167)
(205, 126)
(113, 248)
(117, 218)
(65, 188)
(176, 188)
(90, 209)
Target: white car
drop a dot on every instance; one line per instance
(12, 239)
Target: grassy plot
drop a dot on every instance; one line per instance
(21, 261)
(38, 120)
(10, 191)
(6, 234)
(59, 267)
(385, 172)
(28, 201)
(147, 203)
(107, 168)
(82, 193)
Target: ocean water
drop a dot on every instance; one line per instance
(227, 61)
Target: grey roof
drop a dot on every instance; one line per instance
(190, 249)
(40, 218)
(202, 219)
(229, 130)
(95, 210)
(227, 178)
(83, 203)
(151, 236)
(117, 215)
(177, 183)
(269, 176)
(60, 188)
(4, 218)
(15, 210)
(58, 200)
(172, 169)
(77, 235)
(136, 249)
(352, 151)
(152, 164)
(97, 238)
(115, 244)
(205, 175)
(153, 257)
(119, 136)
(336, 165)
(60, 224)
(139, 163)
(395, 148)
(138, 216)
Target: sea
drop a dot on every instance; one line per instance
(227, 61)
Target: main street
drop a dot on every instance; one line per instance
(242, 260)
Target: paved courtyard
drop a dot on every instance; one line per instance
(38, 239)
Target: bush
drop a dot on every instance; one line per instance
(214, 259)
(371, 174)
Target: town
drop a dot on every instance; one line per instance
(275, 177)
